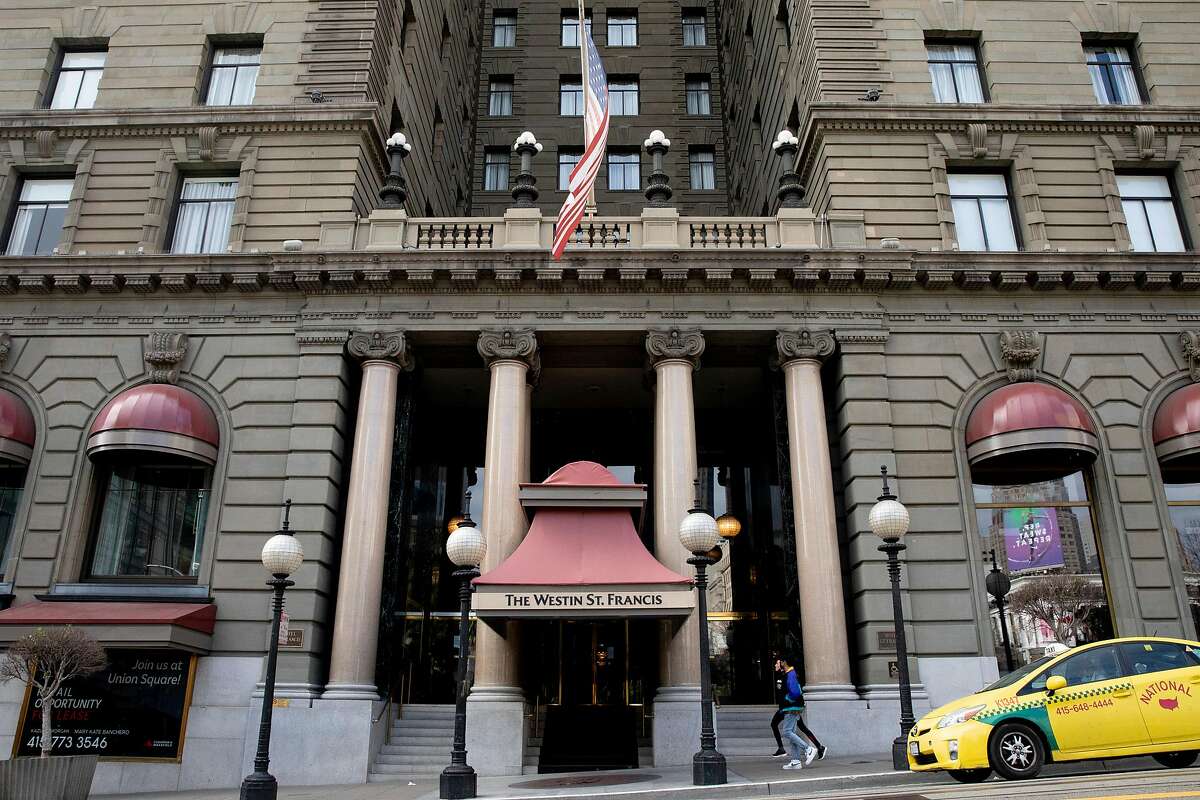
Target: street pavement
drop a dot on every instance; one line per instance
(859, 778)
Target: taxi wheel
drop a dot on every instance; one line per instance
(1016, 752)
(970, 775)
(1177, 760)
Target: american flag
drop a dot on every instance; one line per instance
(595, 129)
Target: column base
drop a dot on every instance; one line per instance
(458, 782)
(350, 691)
(496, 730)
(709, 769)
(676, 733)
(820, 692)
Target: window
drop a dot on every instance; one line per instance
(232, 76)
(699, 99)
(500, 97)
(702, 164)
(1183, 504)
(955, 72)
(570, 97)
(694, 28)
(1090, 666)
(504, 29)
(623, 97)
(38, 219)
(1144, 657)
(151, 520)
(495, 169)
(622, 29)
(566, 163)
(570, 27)
(1113, 75)
(1150, 213)
(624, 172)
(12, 483)
(77, 80)
(982, 217)
(204, 215)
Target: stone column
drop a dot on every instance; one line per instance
(675, 355)
(360, 580)
(496, 705)
(818, 563)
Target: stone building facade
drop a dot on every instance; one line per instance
(388, 358)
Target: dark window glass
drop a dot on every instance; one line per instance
(39, 216)
(1090, 666)
(1144, 657)
(12, 483)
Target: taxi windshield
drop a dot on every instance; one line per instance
(1018, 674)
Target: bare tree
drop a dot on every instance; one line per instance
(1058, 601)
(45, 660)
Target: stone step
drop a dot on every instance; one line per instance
(422, 730)
(412, 759)
(405, 749)
(401, 771)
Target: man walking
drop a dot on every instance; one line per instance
(800, 751)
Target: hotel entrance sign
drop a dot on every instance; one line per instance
(557, 602)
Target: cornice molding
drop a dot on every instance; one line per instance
(675, 344)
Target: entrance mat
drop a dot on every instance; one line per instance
(572, 781)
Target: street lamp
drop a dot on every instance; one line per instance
(698, 533)
(281, 555)
(889, 521)
(466, 548)
(998, 584)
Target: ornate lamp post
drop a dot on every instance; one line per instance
(658, 190)
(281, 555)
(525, 191)
(998, 584)
(466, 548)
(394, 191)
(790, 191)
(889, 521)
(698, 533)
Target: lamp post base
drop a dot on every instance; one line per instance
(900, 754)
(259, 786)
(708, 769)
(458, 782)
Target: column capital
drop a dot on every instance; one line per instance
(675, 344)
(380, 346)
(511, 344)
(803, 345)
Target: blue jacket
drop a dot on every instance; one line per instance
(794, 697)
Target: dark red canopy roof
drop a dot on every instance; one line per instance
(16, 427)
(1026, 406)
(195, 616)
(1028, 430)
(1177, 425)
(157, 416)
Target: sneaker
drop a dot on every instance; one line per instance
(779, 753)
(794, 764)
(810, 756)
(821, 753)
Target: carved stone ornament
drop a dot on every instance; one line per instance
(803, 344)
(1020, 350)
(1191, 352)
(5, 347)
(164, 353)
(380, 346)
(511, 344)
(675, 344)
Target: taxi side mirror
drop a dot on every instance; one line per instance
(1054, 683)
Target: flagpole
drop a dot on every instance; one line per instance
(590, 208)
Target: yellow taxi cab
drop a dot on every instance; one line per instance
(1121, 697)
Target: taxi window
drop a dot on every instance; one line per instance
(1090, 666)
(1143, 657)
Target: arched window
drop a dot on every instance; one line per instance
(1177, 444)
(153, 447)
(1031, 447)
(16, 448)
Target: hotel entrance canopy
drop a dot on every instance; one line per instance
(582, 557)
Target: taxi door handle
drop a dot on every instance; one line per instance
(1123, 693)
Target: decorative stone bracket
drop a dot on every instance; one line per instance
(164, 353)
(1191, 353)
(1020, 350)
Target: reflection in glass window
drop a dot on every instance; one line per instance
(78, 80)
(12, 483)
(204, 215)
(1183, 502)
(39, 216)
(232, 77)
(1113, 75)
(151, 520)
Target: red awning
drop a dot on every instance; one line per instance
(1027, 428)
(186, 626)
(1177, 427)
(159, 417)
(16, 428)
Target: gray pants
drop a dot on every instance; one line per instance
(793, 742)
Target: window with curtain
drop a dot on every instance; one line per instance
(500, 97)
(232, 76)
(624, 172)
(1114, 75)
(982, 213)
(622, 28)
(12, 483)
(699, 95)
(204, 214)
(78, 79)
(703, 169)
(566, 163)
(151, 519)
(694, 30)
(495, 169)
(570, 27)
(1150, 213)
(41, 209)
(623, 97)
(954, 69)
(570, 97)
(504, 29)
(1183, 501)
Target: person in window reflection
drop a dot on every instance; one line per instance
(791, 710)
